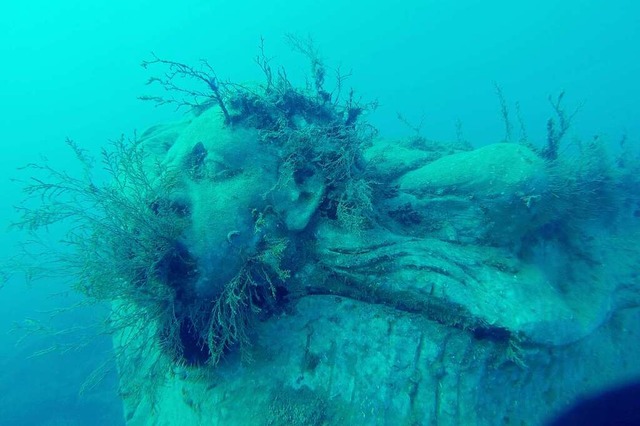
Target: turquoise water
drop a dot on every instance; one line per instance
(72, 69)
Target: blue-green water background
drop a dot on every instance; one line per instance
(71, 68)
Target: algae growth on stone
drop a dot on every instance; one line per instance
(271, 260)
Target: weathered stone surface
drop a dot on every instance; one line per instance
(453, 307)
(491, 195)
(334, 360)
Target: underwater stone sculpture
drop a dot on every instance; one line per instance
(270, 260)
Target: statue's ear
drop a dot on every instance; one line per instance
(298, 198)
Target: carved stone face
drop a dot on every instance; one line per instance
(229, 180)
(421, 315)
(236, 190)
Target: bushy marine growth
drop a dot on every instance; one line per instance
(125, 242)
